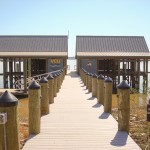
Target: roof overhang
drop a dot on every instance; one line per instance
(134, 55)
(32, 54)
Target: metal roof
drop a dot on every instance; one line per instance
(94, 45)
(34, 44)
(114, 54)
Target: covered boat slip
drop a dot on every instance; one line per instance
(26, 56)
(121, 58)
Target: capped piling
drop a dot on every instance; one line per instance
(94, 85)
(108, 95)
(9, 133)
(34, 108)
(123, 106)
(100, 89)
(45, 97)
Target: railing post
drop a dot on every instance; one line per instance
(9, 134)
(51, 88)
(34, 108)
(58, 81)
(108, 95)
(55, 84)
(94, 85)
(123, 106)
(44, 98)
(84, 77)
(90, 82)
(100, 89)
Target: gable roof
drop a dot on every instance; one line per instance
(110, 46)
(33, 45)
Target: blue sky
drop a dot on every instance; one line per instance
(79, 17)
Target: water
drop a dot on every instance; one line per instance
(72, 67)
(71, 64)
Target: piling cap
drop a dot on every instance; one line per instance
(7, 100)
(108, 79)
(88, 74)
(43, 80)
(55, 75)
(94, 76)
(91, 74)
(34, 85)
(50, 77)
(123, 85)
(101, 77)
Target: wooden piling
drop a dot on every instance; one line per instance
(108, 95)
(45, 97)
(9, 133)
(34, 108)
(94, 85)
(90, 82)
(123, 106)
(51, 88)
(100, 89)
(55, 84)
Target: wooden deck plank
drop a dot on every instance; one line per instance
(77, 122)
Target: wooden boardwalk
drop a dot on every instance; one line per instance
(77, 122)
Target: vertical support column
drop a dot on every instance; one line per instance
(123, 106)
(5, 78)
(108, 95)
(138, 75)
(9, 133)
(100, 89)
(78, 65)
(29, 67)
(34, 108)
(55, 84)
(51, 88)
(10, 73)
(118, 71)
(65, 65)
(25, 74)
(146, 73)
(44, 98)
(94, 86)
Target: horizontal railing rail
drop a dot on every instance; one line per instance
(19, 84)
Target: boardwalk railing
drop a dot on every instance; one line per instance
(106, 86)
(38, 105)
(19, 84)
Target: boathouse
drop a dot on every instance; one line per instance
(119, 57)
(26, 56)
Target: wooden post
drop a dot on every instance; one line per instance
(90, 82)
(5, 78)
(25, 74)
(51, 88)
(34, 108)
(29, 67)
(58, 81)
(123, 106)
(9, 133)
(94, 86)
(11, 73)
(100, 89)
(44, 98)
(108, 95)
(55, 84)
